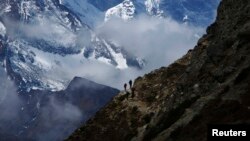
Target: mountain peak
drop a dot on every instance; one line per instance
(124, 10)
(84, 84)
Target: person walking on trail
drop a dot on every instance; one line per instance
(125, 87)
(130, 84)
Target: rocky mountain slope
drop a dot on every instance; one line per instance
(210, 84)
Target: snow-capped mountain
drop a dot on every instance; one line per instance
(45, 36)
(195, 12)
(124, 10)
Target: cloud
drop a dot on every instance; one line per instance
(22, 115)
(57, 110)
(19, 112)
(57, 120)
(10, 104)
(9, 100)
(50, 30)
(158, 41)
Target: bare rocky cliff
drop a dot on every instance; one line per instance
(210, 84)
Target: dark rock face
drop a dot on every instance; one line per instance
(82, 92)
(210, 84)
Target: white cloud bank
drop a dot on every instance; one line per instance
(158, 41)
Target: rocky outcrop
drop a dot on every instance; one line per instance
(210, 84)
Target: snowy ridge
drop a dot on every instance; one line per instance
(153, 7)
(110, 53)
(124, 10)
(118, 57)
(195, 12)
(34, 66)
(88, 14)
(2, 29)
(128, 9)
(5, 7)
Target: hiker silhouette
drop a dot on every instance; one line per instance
(125, 87)
(130, 84)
